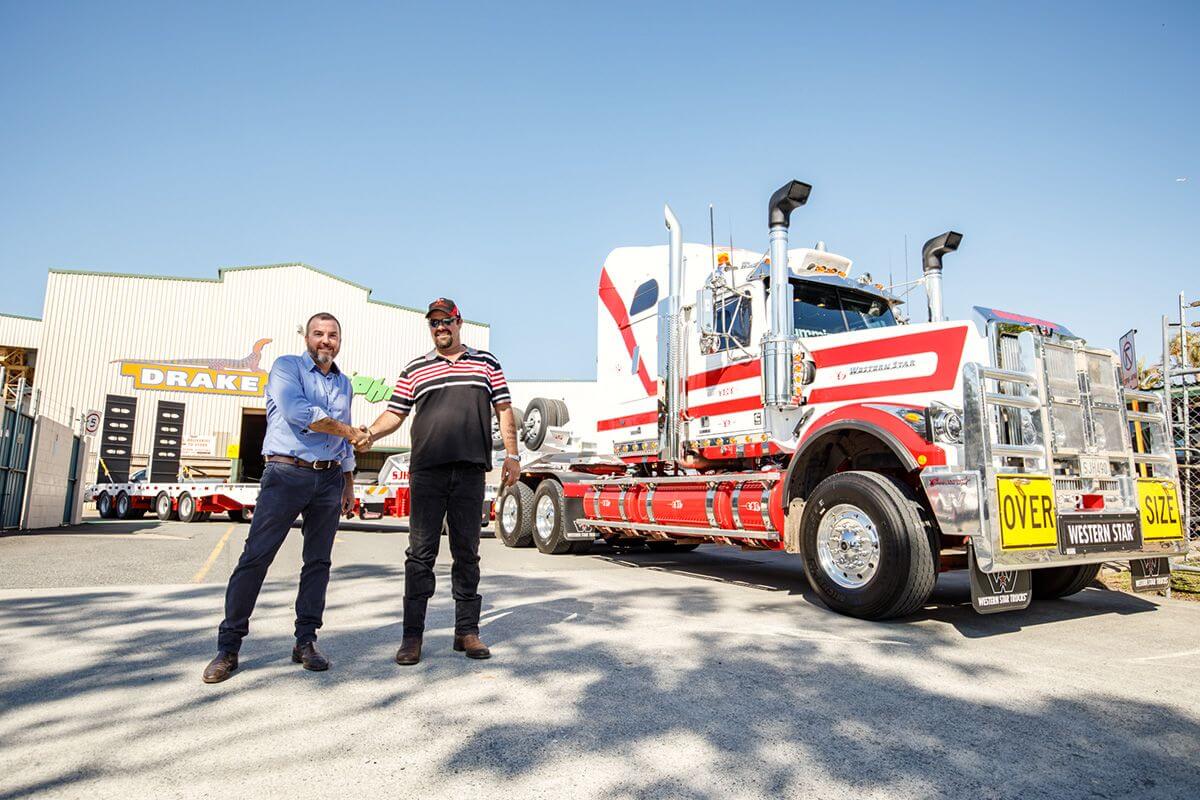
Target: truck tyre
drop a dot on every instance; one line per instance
(514, 516)
(1054, 582)
(187, 508)
(564, 416)
(104, 505)
(163, 507)
(659, 546)
(123, 508)
(550, 521)
(540, 416)
(205, 516)
(867, 546)
(237, 515)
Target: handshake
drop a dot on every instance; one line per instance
(361, 438)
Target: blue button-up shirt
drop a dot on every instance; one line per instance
(299, 394)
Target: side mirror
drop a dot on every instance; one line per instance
(706, 320)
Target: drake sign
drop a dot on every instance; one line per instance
(233, 376)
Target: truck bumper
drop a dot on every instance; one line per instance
(964, 506)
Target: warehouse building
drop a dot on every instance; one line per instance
(207, 343)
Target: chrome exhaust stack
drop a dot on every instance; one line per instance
(777, 344)
(672, 356)
(931, 265)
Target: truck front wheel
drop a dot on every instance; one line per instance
(1054, 582)
(867, 547)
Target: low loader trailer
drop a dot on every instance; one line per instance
(773, 401)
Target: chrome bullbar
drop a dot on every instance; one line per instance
(1054, 414)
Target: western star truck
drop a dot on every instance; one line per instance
(776, 401)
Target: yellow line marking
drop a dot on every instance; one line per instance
(212, 557)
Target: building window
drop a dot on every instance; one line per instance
(645, 297)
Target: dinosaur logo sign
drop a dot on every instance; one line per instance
(233, 376)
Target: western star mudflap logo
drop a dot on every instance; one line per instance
(231, 376)
(1149, 574)
(1003, 590)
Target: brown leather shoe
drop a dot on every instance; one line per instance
(410, 650)
(308, 655)
(221, 667)
(472, 645)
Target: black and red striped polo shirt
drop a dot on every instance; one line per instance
(451, 403)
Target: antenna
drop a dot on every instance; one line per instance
(712, 238)
(906, 259)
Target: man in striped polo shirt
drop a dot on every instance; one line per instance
(451, 392)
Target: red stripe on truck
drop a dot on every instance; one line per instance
(946, 343)
(616, 307)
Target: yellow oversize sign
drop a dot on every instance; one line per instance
(178, 378)
(1160, 509)
(1028, 520)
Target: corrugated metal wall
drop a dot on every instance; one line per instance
(92, 321)
(20, 332)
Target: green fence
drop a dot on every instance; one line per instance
(17, 435)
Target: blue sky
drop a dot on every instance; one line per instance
(495, 153)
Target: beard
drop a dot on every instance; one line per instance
(321, 357)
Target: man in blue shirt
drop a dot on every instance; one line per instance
(309, 453)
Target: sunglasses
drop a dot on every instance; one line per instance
(444, 322)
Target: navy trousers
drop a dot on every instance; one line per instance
(453, 492)
(285, 493)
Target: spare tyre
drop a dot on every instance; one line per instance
(540, 416)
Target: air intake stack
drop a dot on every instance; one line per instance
(931, 265)
(777, 345)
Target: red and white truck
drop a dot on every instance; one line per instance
(778, 402)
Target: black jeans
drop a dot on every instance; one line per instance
(284, 493)
(453, 492)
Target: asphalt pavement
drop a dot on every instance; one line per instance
(701, 675)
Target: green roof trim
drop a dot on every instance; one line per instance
(20, 316)
(221, 279)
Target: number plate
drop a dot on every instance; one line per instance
(1027, 518)
(1160, 509)
(1098, 533)
(1094, 467)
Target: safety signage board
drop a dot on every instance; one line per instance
(1129, 370)
(91, 423)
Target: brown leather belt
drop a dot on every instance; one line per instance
(300, 462)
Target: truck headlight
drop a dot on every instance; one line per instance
(945, 424)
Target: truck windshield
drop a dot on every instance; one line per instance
(818, 310)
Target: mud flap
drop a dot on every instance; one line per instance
(1008, 590)
(791, 526)
(1149, 574)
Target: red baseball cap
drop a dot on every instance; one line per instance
(445, 305)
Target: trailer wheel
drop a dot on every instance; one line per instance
(1054, 582)
(204, 516)
(540, 416)
(122, 508)
(104, 505)
(514, 516)
(163, 507)
(867, 547)
(550, 521)
(237, 515)
(659, 546)
(564, 416)
(187, 508)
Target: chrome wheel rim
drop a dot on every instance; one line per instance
(508, 514)
(533, 423)
(848, 546)
(544, 517)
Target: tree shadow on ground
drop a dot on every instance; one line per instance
(667, 691)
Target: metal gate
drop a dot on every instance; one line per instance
(73, 477)
(17, 435)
